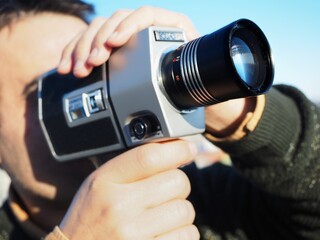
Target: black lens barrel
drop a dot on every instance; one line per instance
(203, 72)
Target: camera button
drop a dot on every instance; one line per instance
(140, 128)
(95, 101)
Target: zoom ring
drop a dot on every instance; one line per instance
(191, 77)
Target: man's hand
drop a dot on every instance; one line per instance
(138, 195)
(93, 47)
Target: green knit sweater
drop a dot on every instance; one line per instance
(273, 190)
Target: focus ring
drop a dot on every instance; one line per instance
(191, 77)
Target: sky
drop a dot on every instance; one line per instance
(291, 26)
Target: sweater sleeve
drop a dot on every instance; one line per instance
(282, 156)
(273, 189)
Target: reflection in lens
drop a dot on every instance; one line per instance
(243, 61)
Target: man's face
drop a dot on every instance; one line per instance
(29, 48)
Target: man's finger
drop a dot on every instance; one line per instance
(164, 218)
(189, 232)
(150, 16)
(148, 160)
(172, 184)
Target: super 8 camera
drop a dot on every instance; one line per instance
(153, 88)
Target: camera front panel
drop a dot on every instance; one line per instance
(76, 116)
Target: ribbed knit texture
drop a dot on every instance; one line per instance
(273, 190)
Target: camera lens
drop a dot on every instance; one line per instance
(243, 60)
(232, 62)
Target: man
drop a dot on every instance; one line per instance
(141, 194)
(33, 35)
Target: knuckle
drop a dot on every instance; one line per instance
(194, 233)
(184, 210)
(182, 181)
(119, 16)
(189, 233)
(146, 9)
(98, 21)
(121, 12)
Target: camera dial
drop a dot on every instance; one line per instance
(140, 127)
(144, 126)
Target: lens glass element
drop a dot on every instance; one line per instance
(244, 62)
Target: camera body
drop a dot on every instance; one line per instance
(121, 104)
(153, 88)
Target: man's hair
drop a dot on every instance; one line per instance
(11, 10)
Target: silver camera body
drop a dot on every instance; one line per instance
(153, 88)
(121, 105)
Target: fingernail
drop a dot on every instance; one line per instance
(79, 65)
(63, 63)
(94, 53)
(113, 36)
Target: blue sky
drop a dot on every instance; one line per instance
(292, 27)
